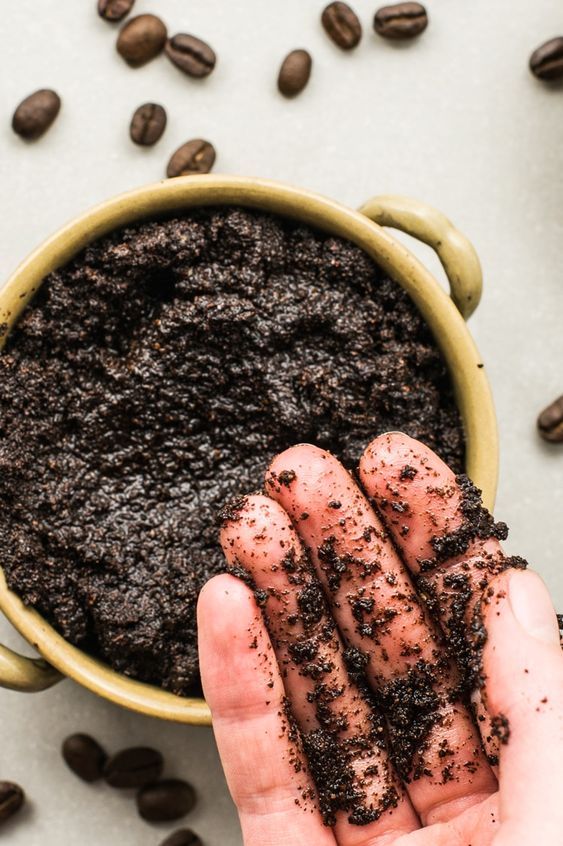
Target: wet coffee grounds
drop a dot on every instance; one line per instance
(153, 378)
(476, 522)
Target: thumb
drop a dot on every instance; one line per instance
(523, 668)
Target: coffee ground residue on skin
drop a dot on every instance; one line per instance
(477, 522)
(334, 754)
(153, 378)
(500, 727)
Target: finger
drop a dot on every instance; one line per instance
(435, 744)
(334, 715)
(446, 539)
(260, 753)
(523, 666)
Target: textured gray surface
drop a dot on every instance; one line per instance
(454, 119)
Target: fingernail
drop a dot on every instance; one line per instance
(532, 606)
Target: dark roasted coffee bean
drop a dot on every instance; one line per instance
(342, 25)
(550, 422)
(182, 837)
(114, 10)
(36, 113)
(196, 156)
(147, 124)
(133, 767)
(547, 61)
(84, 756)
(191, 55)
(12, 798)
(402, 20)
(295, 72)
(141, 39)
(166, 800)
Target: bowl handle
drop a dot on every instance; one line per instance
(457, 254)
(28, 675)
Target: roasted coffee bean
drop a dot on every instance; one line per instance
(342, 25)
(147, 124)
(182, 837)
(84, 756)
(191, 55)
(12, 798)
(133, 767)
(547, 61)
(114, 10)
(550, 422)
(141, 39)
(295, 72)
(402, 20)
(196, 156)
(36, 113)
(165, 800)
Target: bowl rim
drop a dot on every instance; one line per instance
(471, 386)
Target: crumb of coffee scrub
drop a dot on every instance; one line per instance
(501, 728)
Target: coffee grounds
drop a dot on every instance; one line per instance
(501, 728)
(477, 522)
(153, 378)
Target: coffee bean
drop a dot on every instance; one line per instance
(191, 55)
(182, 837)
(547, 61)
(12, 798)
(114, 10)
(294, 73)
(342, 25)
(133, 767)
(550, 422)
(36, 113)
(402, 20)
(141, 39)
(147, 124)
(84, 756)
(196, 156)
(165, 800)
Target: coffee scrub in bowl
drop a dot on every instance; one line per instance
(157, 351)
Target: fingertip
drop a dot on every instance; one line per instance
(299, 459)
(260, 532)
(393, 451)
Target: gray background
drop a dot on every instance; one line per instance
(454, 119)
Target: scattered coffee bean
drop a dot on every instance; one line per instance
(182, 837)
(133, 767)
(294, 73)
(402, 20)
(550, 422)
(11, 799)
(166, 800)
(547, 61)
(114, 10)
(191, 55)
(196, 156)
(147, 124)
(36, 113)
(141, 39)
(84, 756)
(342, 25)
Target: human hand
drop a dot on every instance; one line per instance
(420, 659)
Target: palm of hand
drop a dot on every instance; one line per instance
(408, 648)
